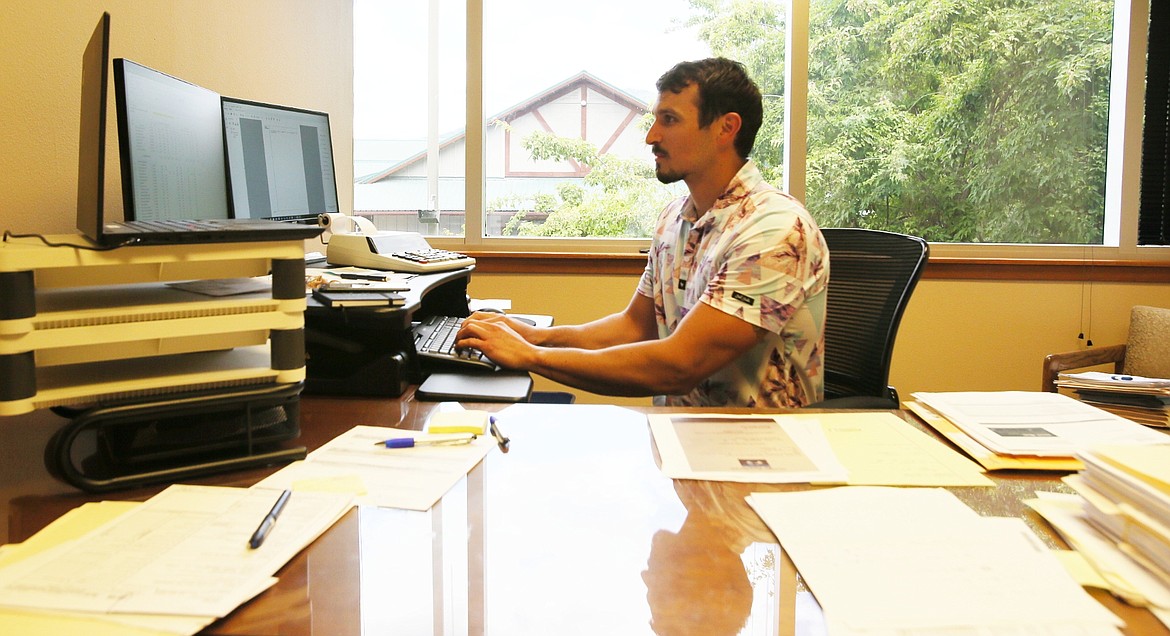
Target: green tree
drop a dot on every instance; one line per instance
(957, 120)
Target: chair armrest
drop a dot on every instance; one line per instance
(1056, 362)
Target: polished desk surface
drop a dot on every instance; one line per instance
(573, 531)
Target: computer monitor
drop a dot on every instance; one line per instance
(170, 139)
(92, 137)
(280, 161)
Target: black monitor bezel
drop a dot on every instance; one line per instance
(308, 218)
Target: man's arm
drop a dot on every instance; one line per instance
(634, 324)
(705, 341)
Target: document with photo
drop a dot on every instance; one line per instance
(744, 448)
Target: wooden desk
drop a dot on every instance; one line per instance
(574, 531)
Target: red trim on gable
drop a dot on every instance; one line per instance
(617, 132)
(584, 112)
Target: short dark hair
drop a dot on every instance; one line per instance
(724, 87)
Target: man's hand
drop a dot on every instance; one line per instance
(504, 340)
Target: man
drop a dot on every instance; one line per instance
(730, 309)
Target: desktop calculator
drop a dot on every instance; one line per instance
(397, 251)
(427, 260)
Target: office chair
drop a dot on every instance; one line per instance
(1146, 351)
(872, 274)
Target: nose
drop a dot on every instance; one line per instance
(652, 136)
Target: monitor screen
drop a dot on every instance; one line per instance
(280, 161)
(171, 144)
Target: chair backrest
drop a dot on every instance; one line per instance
(871, 277)
(1148, 346)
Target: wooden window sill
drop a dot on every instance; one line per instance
(937, 268)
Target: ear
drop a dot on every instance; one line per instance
(729, 125)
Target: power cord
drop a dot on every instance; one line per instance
(93, 248)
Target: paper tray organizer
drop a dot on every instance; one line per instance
(173, 438)
(93, 333)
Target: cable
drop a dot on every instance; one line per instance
(93, 248)
(1087, 334)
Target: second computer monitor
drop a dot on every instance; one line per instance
(279, 161)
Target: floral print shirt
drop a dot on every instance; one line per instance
(758, 255)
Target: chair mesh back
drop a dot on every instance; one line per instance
(871, 276)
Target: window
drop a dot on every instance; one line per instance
(566, 97)
(970, 122)
(410, 87)
(1154, 219)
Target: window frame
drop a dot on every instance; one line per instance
(1122, 197)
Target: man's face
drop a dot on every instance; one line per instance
(679, 145)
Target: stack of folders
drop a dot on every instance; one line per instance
(1126, 492)
(1027, 429)
(1143, 400)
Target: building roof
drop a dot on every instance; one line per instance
(576, 82)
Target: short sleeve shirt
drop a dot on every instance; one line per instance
(757, 255)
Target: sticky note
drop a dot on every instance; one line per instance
(475, 422)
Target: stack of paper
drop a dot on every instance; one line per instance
(1126, 491)
(1049, 427)
(942, 570)
(1143, 400)
(171, 565)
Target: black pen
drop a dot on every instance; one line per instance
(377, 277)
(502, 441)
(269, 520)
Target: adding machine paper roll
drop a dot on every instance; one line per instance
(345, 224)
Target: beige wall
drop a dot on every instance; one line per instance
(296, 52)
(956, 335)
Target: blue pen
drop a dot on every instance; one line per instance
(410, 442)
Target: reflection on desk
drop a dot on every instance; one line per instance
(574, 531)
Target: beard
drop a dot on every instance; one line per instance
(665, 176)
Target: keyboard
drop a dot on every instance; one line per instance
(434, 340)
(427, 260)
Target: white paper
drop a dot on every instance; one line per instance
(183, 552)
(761, 449)
(409, 478)
(941, 567)
(1036, 423)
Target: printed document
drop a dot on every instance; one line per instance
(760, 449)
(183, 552)
(859, 448)
(1036, 423)
(408, 478)
(942, 569)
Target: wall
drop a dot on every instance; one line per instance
(296, 52)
